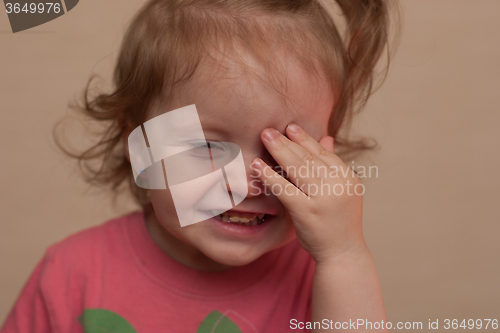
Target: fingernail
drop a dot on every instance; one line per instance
(257, 163)
(294, 128)
(271, 134)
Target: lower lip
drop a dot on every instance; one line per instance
(235, 229)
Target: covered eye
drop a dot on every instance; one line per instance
(203, 149)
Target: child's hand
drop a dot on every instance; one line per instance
(326, 212)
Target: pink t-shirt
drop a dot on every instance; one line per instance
(115, 278)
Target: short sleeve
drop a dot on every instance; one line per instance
(29, 314)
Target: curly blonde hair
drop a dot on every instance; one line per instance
(167, 40)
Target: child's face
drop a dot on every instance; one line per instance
(236, 107)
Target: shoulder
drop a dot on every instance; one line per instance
(69, 275)
(88, 245)
(72, 270)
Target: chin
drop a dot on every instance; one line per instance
(240, 254)
(235, 255)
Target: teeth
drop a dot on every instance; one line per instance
(248, 221)
(240, 217)
(253, 222)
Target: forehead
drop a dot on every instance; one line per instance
(246, 98)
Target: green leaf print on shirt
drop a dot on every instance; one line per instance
(104, 321)
(217, 322)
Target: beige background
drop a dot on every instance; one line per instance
(431, 217)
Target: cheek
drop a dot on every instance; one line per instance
(164, 207)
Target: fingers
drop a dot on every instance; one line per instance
(286, 192)
(298, 135)
(301, 150)
(327, 143)
(288, 154)
(305, 160)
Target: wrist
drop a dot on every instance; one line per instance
(355, 254)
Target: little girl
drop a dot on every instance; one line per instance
(276, 78)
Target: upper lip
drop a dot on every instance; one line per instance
(248, 212)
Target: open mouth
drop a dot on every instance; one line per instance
(247, 220)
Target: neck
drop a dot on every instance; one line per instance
(179, 250)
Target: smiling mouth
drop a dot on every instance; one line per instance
(242, 219)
